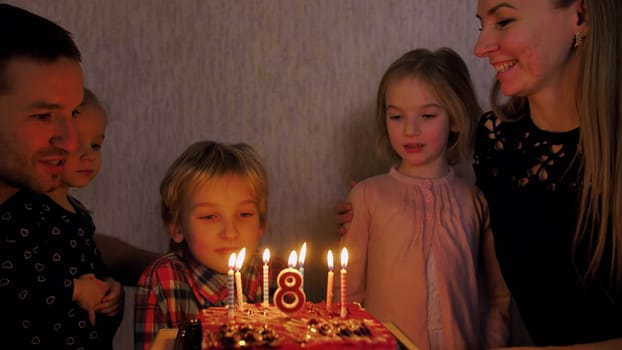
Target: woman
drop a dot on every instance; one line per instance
(555, 195)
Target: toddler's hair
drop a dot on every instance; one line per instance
(206, 160)
(91, 99)
(446, 74)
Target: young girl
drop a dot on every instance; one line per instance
(214, 203)
(420, 246)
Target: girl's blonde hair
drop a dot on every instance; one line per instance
(206, 160)
(447, 75)
(599, 106)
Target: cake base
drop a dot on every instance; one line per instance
(310, 327)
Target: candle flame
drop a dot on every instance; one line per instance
(331, 266)
(292, 259)
(303, 254)
(266, 256)
(240, 260)
(344, 258)
(232, 261)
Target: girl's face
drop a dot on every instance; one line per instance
(219, 217)
(82, 165)
(528, 43)
(418, 126)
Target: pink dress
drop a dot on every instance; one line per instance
(421, 254)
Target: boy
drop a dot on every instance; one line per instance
(214, 203)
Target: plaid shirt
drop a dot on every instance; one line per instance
(176, 286)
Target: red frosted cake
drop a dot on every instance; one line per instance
(310, 327)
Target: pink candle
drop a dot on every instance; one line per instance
(238, 278)
(230, 287)
(329, 283)
(266, 281)
(344, 285)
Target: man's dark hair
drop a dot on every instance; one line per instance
(25, 34)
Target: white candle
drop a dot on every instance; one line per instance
(329, 283)
(344, 287)
(266, 281)
(301, 261)
(238, 278)
(230, 287)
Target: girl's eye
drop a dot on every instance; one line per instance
(394, 117)
(208, 217)
(428, 116)
(247, 215)
(96, 146)
(75, 113)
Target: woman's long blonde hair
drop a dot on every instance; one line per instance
(599, 106)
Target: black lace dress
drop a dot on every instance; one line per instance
(530, 179)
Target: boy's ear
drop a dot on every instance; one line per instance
(176, 233)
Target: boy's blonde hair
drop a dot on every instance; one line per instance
(447, 75)
(205, 160)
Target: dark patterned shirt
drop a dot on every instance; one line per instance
(43, 249)
(176, 287)
(530, 179)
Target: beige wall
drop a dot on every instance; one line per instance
(296, 79)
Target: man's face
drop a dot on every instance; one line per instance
(36, 114)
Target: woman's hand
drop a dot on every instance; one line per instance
(343, 216)
(343, 213)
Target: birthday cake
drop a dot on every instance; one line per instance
(311, 326)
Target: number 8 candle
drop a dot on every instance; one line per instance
(266, 259)
(344, 286)
(289, 296)
(230, 287)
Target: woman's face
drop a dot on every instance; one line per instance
(528, 42)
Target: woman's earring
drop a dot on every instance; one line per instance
(578, 38)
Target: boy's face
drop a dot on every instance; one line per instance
(36, 118)
(82, 165)
(218, 218)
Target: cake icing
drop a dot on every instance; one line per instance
(310, 327)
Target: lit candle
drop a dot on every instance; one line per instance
(266, 259)
(344, 287)
(301, 261)
(289, 296)
(329, 283)
(238, 278)
(230, 287)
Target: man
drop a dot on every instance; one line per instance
(48, 297)
(40, 87)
